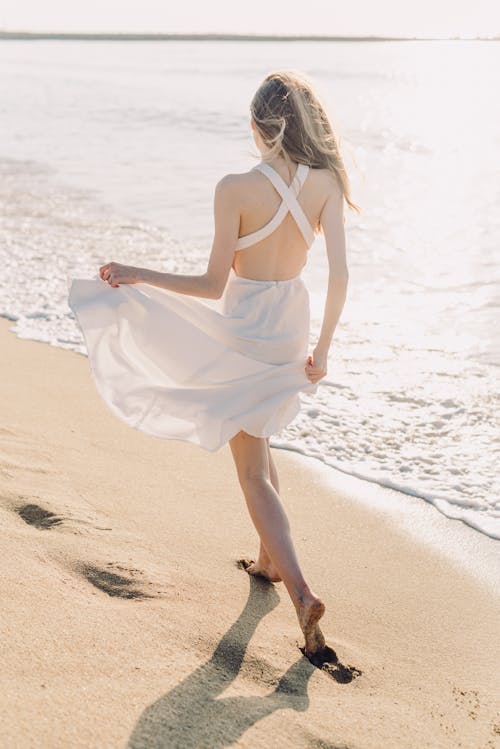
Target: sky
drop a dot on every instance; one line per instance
(357, 17)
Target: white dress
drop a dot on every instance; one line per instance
(175, 367)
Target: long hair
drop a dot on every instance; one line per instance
(294, 123)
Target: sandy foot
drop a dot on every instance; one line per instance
(309, 613)
(254, 568)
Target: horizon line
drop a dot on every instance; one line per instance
(227, 36)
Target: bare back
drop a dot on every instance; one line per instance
(283, 253)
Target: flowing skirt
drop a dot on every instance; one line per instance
(175, 367)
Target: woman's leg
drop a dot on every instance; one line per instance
(264, 566)
(252, 463)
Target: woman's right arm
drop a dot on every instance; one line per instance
(332, 222)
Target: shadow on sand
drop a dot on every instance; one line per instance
(191, 715)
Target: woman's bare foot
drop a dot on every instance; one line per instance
(260, 570)
(309, 611)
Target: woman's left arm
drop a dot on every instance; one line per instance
(210, 284)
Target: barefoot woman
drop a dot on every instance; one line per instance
(176, 367)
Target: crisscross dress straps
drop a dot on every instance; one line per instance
(289, 203)
(290, 197)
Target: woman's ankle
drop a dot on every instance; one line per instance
(305, 596)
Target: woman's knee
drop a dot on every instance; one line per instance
(251, 459)
(252, 478)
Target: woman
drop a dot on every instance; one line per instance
(178, 368)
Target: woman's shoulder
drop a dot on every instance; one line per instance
(236, 187)
(237, 179)
(327, 184)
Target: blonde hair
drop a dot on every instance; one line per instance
(294, 123)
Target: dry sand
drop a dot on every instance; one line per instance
(126, 621)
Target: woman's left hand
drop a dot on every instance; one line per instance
(116, 273)
(317, 365)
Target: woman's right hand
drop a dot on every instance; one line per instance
(316, 365)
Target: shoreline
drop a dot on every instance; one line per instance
(120, 568)
(448, 511)
(485, 527)
(460, 544)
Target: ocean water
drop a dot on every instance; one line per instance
(111, 150)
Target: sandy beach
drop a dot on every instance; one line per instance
(126, 621)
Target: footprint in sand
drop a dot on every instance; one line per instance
(327, 661)
(114, 584)
(126, 584)
(38, 517)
